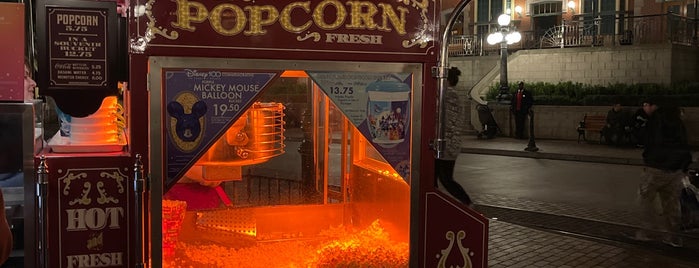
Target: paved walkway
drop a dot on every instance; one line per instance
(531, 233)
(512, 245)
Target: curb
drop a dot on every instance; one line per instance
(555, 156)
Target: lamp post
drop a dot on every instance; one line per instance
(696, 23)
(505, 36)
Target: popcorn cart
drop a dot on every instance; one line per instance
(283, 134)
(292, 134)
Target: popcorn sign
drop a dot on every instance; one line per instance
(93, 217)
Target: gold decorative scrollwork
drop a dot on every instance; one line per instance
(424, 4)
(445, 252)
(422, 37)
(84, 199)
(118, 177)
(159, 30)
(315, 35)
(465, 252)
(104, 198)
(70, 177)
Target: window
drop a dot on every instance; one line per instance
(608, 15)
(546, 9)
(496, 9)
(483, 7)
(489, 10)
(601, 12)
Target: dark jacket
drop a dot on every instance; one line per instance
(640, 119)
(527, 102)
(617, 119)
(666, 144)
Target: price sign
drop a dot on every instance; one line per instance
(379, 105)
(77, 40)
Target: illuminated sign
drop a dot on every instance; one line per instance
(396, 27)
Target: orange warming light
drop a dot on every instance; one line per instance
(173, 215)
(342, 247)
(381, 168)
(294, 74)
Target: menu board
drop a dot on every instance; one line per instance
(77, 44)
(77, 40)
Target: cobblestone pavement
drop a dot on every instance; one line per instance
(511, 246)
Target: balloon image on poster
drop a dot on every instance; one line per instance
(379, 105)
(186, 125)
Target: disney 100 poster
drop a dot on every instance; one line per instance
(378, 104)
(199, 105)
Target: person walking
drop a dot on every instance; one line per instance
(444, 168)
(666, 157)
(522, 101)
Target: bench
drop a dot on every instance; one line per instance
(591, 123)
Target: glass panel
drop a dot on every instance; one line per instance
(294, 177)
(483, 8)
(495, 8)
(589, 6)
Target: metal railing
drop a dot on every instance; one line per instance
(586, 31)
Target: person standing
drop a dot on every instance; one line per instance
(614, 130)
(522, 101)
(29, 83)
(666, 157)
(11, 174)
(640, 120)
(444, 168)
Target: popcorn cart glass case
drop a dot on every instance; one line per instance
(307, 162)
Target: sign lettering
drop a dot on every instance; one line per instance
(93, 218)
(396, 27)
(96, 260)
(78, 47)
(230, 19)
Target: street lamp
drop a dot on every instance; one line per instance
(505, 36)
(571, 6)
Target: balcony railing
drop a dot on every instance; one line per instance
(581, 32)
